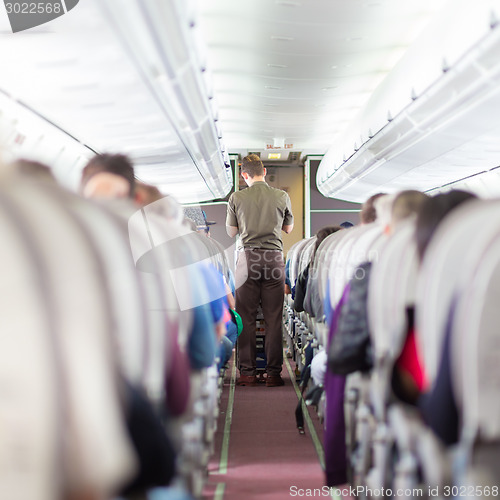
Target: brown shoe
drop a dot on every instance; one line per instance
(249, 380)
(274, 381)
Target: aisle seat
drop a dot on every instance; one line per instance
(97, 453)
(31, 409)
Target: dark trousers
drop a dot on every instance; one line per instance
(264, 271)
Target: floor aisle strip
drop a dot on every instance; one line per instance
(312, 431)
(227, 425)
(219, 492)
(314, 436)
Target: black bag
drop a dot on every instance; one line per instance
(154, 449)
(350, 349)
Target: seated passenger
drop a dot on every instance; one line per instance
(145, 194)
(177, 383)
(368, 213)
(228, 341)
(438, 404)
(107, 186)
(112, 177)
(301, 285)
(350, 322)
(351, 349)
(346, 224)
(288, 283)
(34, 170)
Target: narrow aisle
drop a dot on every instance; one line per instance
(258, 450)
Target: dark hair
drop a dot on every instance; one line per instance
(147, 193)
(432, 212)
(252, 165)
(368, 213)
(115, 164)
(321, 235)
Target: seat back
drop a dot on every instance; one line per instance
(306, 253)
(126, 295)
(324, 256)
(97, 454)
(296, 251)
(440, 275)
(30, 403)
(347, 256)
(475, 345)
(391, 290)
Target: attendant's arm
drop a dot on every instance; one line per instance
(288, 219)
(231, 219)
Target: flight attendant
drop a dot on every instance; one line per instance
(259, 214)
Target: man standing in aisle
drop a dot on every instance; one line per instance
(259, 214)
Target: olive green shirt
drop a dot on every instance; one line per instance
(259, 212)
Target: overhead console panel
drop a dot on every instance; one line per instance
(24, 134)
(123, 76)
(433, 120)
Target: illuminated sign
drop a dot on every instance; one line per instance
(286, 146)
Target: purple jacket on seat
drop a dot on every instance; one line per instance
(334, 439)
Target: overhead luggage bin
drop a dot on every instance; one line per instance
(432, 121)
(119, 78)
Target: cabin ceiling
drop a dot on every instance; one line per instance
(103, 74)
(300, 70)
(396, 94)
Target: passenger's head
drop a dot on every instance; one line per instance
(161, 204)
(105, 185)
(368, 213)
(321, 235)
(432, 212)
(34, 170)
(252, 165)
(407, 203)
(146, 194)
(117, 164)
(346, 224)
